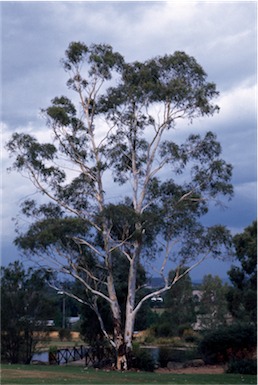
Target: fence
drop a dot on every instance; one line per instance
(93, 356)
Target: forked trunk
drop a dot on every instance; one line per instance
(121, 360)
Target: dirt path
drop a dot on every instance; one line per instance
(18, 373)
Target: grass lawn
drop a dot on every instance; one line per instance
(43, 374)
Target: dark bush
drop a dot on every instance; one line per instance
(246, 366)
(189, 335)
(142, 359)
(176, 355)
(164, 357)
(164, 330)
(65, 334)
(184, 329)
(191, 338)
(236, 341)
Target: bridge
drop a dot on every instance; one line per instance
(96, 357)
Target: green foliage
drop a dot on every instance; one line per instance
(212, 307)
(242, 297)
(177, 78)
(245, 366)
(164, 327)
(167, 354)
(180, 307)
(185, 331)
(145, 317)
(100, 58)
(52, 231)
(227, 343)
(142, 359)
(90, 328)
(164, 357)
(122, 219)
(24, 309)
(52, 349)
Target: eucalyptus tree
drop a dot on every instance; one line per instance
(116, 137)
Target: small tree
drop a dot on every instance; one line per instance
(24, 310)
(242, 297)
(119, 134)
(212, 307)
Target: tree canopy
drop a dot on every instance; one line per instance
(116, 139)
(24, 309)
(212, 309)
(242, 296)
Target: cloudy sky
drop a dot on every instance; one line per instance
(220, 35)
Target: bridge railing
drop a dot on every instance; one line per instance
(92, 356)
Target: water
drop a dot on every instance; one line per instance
(154, 352)
(41, 357)
(44, 357)
(163, 354)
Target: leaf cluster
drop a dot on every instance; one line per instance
(177, 79)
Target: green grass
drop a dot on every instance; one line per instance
(43, 374)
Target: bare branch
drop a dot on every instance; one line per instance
(167, 286)
(80, 241)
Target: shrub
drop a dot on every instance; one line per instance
(164, 330)
(189, 335)
(52, 349)
(231, 342)
(191, 338)
(184, 329)
(164, 357)
(142, 359)
(52, 354)
(149, 335)
(246, 366)
(64, 334)
(176, 355)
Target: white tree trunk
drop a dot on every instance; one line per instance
(130, 303)
(130, 315)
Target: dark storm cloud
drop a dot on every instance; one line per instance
(35, 35)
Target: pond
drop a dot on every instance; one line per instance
(40, 357)
(163, 354)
